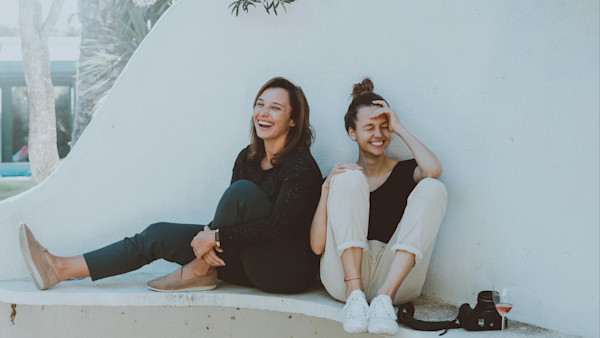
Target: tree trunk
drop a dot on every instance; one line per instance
(96, 17)
(43, 152)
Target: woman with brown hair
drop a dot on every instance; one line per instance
(259, 235)
(377, 218)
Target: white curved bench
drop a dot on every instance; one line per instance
(129, 290)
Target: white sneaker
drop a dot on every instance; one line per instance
(382, 316)
(357, 311)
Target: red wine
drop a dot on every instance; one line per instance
(503, 308)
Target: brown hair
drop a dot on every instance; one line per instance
(300, 135)
(362, 96)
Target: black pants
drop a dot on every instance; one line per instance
(284, 267)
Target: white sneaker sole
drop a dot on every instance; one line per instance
(358, 329)
(383, 328)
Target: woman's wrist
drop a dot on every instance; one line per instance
(399, 130)
(217, 237)
(209, 236)
(212, 237)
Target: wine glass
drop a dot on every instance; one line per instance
(502, 302)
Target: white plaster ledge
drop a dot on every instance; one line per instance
(130, 290)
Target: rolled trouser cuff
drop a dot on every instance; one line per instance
(411, 249)
(351, 244)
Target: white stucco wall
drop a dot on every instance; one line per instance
(505, 93)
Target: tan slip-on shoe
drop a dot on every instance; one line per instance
(41, 271)
(174, 282)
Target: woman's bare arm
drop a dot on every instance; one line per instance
(427, 163)
(318, 228)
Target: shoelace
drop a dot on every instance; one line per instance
(354, 307)
(380, 308)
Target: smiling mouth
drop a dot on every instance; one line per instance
(377, 143)
(264, 124)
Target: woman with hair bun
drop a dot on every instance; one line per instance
(377, 218)
(259, 235)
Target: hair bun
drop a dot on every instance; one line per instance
(365, 87)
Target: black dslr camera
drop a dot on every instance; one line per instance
(483, 317)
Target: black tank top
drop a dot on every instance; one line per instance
(387, 203)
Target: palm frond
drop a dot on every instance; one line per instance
(267, 5)
(110, 56)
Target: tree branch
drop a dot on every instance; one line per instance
(52, 18)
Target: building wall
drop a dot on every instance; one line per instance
(505, 93)
(63, 53)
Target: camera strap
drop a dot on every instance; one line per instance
(406, 314)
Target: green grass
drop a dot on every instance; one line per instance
(10, 187)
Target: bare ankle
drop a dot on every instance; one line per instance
(390, 292)
(353, 285)
(196, 268)
(57, 265)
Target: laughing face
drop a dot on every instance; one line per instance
(372, 134)
(272, 116)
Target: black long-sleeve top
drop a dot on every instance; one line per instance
(293, 186)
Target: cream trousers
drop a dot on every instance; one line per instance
(348, 223)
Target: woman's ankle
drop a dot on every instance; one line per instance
(196, 268)
(353, 285)
(57, 265)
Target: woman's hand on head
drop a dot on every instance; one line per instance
(394, 122)
(340, 168)
(203, 242)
